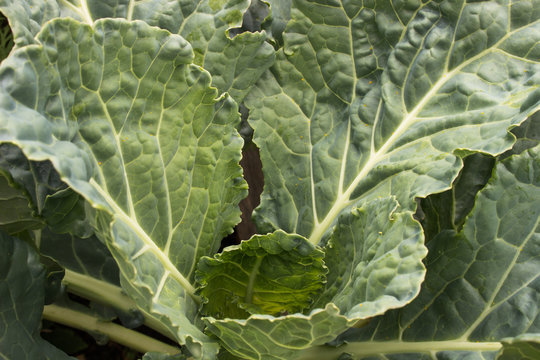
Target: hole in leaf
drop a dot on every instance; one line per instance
(6, 37)
(252, 166)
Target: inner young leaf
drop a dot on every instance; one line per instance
(272, 274)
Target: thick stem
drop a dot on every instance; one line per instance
(115, 332)
(108, 294)
(375, 348)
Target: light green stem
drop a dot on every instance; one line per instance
(373, 348)
(105, 293)
(115, 332)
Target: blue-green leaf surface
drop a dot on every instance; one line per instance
(22, 290)
(268, 274)
(371, 99)
(482, 285)
(235, 64)
(134, 127)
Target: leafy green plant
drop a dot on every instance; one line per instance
(379, 124)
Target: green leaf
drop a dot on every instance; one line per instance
(374, 257)
(372, 101)
(22, 284)
(235, 63)
(151, 149)
(482, 285)
(267, 337)
(267, 274)
(16, 211)
(525, 347)
(448, 210)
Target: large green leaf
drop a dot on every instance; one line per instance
(375, 99)
(482, 285)
(22, 284)
(134, 127)
(235, 64)
(268, 274)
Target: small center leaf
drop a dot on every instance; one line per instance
(273, 274)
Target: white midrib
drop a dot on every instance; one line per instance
(149, 244)
(373, 348)
(343, 199)
(82, 10)
(85, 12)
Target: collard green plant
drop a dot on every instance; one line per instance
(378, 124)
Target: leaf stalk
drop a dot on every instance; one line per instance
(105, 293)
(114, 332)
